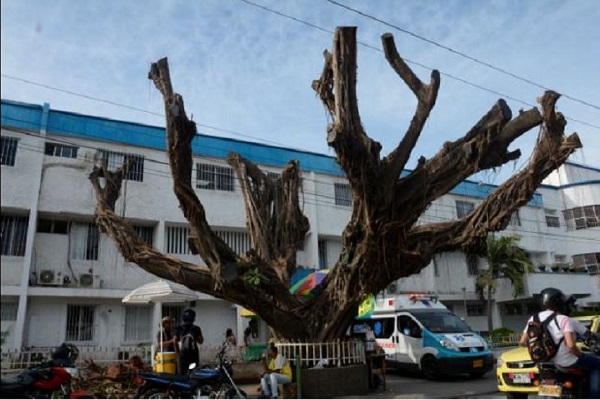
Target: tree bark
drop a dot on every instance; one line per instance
(382, 242)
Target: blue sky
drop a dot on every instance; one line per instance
(243, 69)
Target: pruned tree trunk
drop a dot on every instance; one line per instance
(382, 241)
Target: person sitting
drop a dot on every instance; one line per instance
(277, 371)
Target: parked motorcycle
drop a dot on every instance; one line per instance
(567, 384)
(50, 379)
(200, 383)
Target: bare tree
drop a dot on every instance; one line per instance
(382, 242)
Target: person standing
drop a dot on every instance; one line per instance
(165, 336)
(277, 371)
(188, 337)
(230, 337)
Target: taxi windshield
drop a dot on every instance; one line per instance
(440, 322)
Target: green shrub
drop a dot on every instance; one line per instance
(499, 332)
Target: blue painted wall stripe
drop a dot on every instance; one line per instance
(28, 116)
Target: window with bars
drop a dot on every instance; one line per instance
(472, 264)
(80, 323)
(515, 219)
(135, 164)
(146, 233)
(464, 208)
(475, 310)
(582, 217)
(84, 241)
(343, 195)
(238, 241)
(8, 310)
(14, 235)
(322, 244)
(214, 177)
(273, 175)
(587, 261)
(177, 240)
(138, 324)
(61, 150)
(9, 150)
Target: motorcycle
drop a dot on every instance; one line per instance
(567, 384)
(200, 383)
(47, 380)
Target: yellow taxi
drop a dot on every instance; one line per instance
(517, 374)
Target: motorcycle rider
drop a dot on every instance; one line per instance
(562, 331)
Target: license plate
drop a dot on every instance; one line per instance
(477, 363)
(521, 378)
(550, 390)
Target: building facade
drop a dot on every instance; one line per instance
(64, 281)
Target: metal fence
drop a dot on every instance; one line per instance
(336, 353)
(503, 341)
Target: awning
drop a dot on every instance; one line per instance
(244, 312)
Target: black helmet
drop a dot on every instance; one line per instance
(188, 316)
(66, 351)
(552, 298)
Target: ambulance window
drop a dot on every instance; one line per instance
(408, 327)
(383, 328)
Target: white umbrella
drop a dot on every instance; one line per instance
(160, 291)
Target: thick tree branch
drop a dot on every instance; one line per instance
(357, 154)
(426, 96)
(494, 213)
(180, 133)
(274, 220)
(484, 146)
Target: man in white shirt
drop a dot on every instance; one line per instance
(563, 331)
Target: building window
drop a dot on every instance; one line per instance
(177, 240)
(134, 163)
(464, 208)
(9, 150)
(138, 323)
(238, 241)
(472, 264)
(515, 219)
(61, 150)
(582, 217)
(552, 219)
(52, 226)
(214, 177)
(513, 309)
(84, 241)
(14, 235)
(322, 253)
(80, 323)
(589, 262)
(146, 233)
(273, 175)
(8, 310)
(475, 310)
(343, 195)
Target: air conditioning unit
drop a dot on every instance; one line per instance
(86, 280)
(49, 278)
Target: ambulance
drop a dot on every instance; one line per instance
(417, 331)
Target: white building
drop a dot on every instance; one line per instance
(63, 281)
